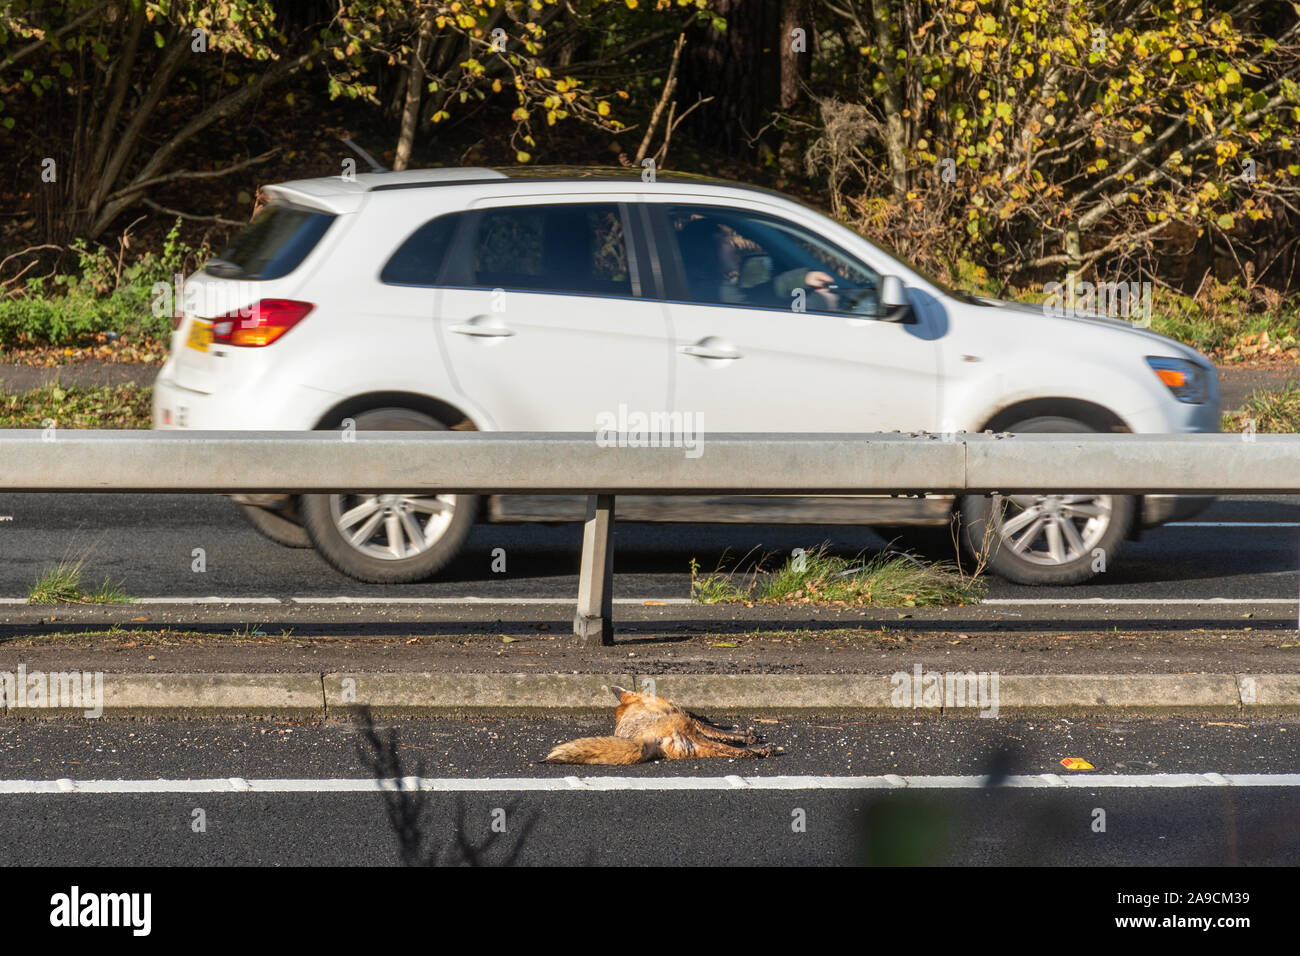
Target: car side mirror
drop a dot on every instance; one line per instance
(894, 306)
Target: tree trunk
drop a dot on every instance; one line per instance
(796, 51)
(796, 67)
(895, 130)
(414, 95)
(735, 67)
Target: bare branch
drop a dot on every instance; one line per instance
(192, 174)
(670, 85)
(192, 218)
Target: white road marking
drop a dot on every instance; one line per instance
(1126, 601)
(475, 600)
(1232, 524)
(1083, 781)
(631, 602)
(205, 600)
(164, 600)
(376, 601)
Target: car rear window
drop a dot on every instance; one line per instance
(273, 244)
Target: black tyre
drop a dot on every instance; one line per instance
(1046, 539)
(391, 538)
(283, 524)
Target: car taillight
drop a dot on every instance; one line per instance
(177, 319)
(260, 324)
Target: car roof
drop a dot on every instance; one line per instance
(336, 194)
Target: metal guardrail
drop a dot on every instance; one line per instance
(576, 463)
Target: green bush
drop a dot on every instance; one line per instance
(72, 309)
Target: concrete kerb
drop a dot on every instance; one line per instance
(417, 694)
(187, 695)
(1142, 694)
(1013, 695)
(727, 693)
(341, 695)
(1269, 694)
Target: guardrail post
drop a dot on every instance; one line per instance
(594, 620)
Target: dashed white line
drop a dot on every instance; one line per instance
(1085, 781)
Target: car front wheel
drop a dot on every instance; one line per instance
(389, 538)
(1046, 539)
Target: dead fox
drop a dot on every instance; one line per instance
(647, 727)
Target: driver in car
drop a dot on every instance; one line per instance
(713, 260)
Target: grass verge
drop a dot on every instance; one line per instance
(889, 579)
(70, 406)
(137, 636)
(62, 584)
(1274, 411)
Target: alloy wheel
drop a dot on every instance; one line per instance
(392, 527)
(1052, 529)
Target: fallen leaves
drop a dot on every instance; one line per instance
(72, 406)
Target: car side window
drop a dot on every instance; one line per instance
(736, 257)
(571, 248)
(418, 260)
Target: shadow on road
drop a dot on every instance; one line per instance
(426, 834)
(1018, 827)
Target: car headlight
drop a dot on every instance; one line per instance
(1188, 381)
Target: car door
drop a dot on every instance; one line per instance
(763, 342)
(543, 318)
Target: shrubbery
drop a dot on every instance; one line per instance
(104, 295)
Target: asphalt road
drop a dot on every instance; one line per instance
(147, 543)
(974, 825)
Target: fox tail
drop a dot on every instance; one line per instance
(600, 750)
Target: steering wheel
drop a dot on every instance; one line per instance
(853, 297)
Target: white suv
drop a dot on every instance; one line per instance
(556, 299)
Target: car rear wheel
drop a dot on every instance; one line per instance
(1046, 539)
(282, 524)
(389, 538)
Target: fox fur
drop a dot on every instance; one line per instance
(647, 728)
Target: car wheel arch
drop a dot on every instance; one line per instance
(1098, 417)
(447, 414)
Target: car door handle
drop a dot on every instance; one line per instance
(704, 351)
(482, 331)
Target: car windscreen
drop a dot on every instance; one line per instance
(273, 244)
